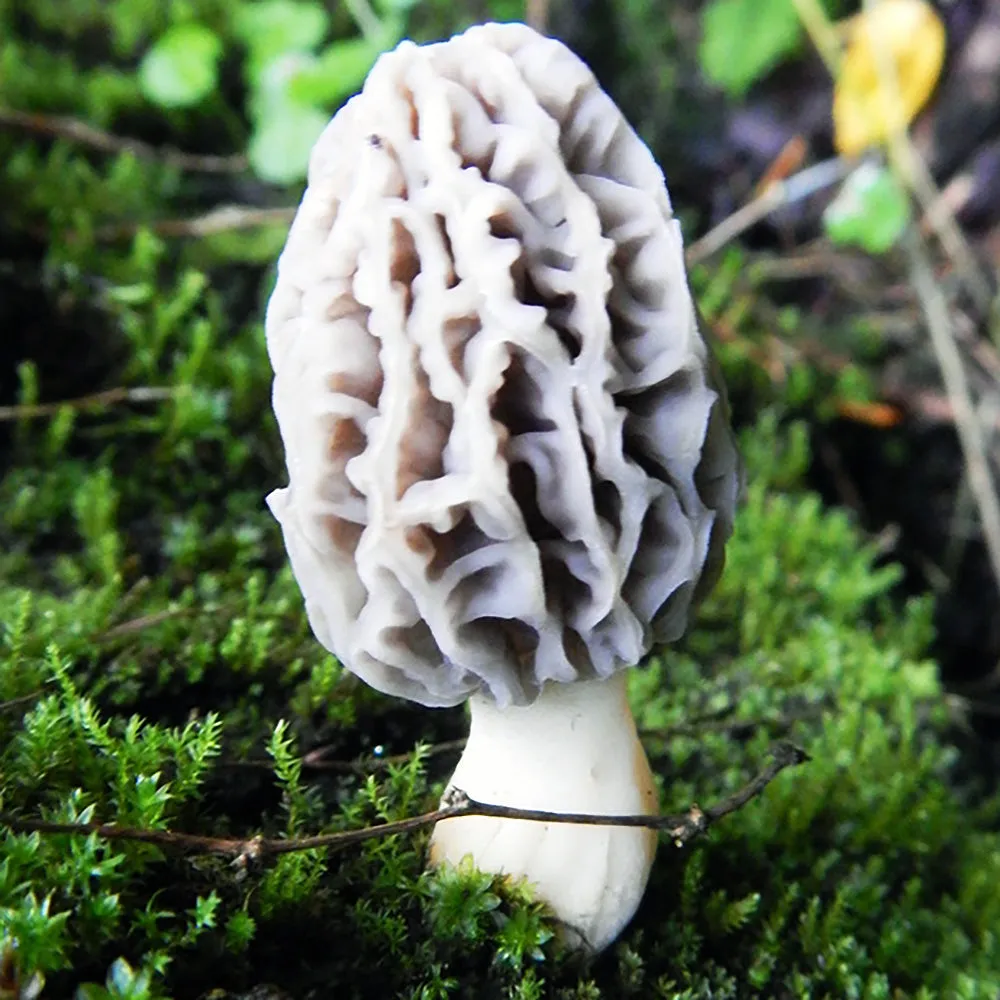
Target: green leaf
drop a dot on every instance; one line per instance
(120, 978)
(205, 910)
(281, 143)
(272, 79)
(182, 68)
(278, 27)
(335, 75)
(460, 897)
(871, 211)
(240, 930)
(743, 39)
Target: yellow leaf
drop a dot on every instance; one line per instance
(890, 67)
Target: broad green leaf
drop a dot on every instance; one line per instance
(271, 93)
(335, 75)
(182, 68)
(871, 211)
(277, 27)
(743, 39)
(281, 143)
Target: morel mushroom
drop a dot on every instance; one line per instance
(510, 463)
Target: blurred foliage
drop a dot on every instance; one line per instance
(290, 86)
(743, 39)
(871, 210)
(157, 670)
(892, 59)
(885, 61)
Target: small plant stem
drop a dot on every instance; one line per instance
(680, 827)
(367, 21)
(778, 194)
(224, 219)
(536, 14)
(970, 433)
(316, 761)
(95, 401)
(63, 127)
(909, 167)
(906, 161)
(24, 699)
(822, 32)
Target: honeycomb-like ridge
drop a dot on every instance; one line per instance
(508, 459)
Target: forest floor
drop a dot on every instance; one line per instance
(157, 670)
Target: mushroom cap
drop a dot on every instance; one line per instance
(508, 450)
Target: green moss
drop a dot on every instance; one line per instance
(157, 670)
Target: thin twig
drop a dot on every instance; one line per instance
(315, 760)
(915, 173)
(970, 433)
(909, 166)
(109, 397)
(779, 194)
(220, 220)
(823, 34)
(951, 199)
(23, 699)
(903, 154)
(367, 21)
(680, 827)
(143, 622)
(774, 356)
(536, 15)
(64, 127)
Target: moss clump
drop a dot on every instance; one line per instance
(865, 873)
(156, 668)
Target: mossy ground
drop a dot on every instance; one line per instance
(156, 668)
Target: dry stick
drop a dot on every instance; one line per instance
(795, 188)
(822, 33)
(970, 433)
(224, 219)
(23, 699)
(143, 622)
(121, 394)
(680, 827)
(961, 527)
(964, 703)
(910, 166)
(367, 21)
(700, 727)
(903, 153)
(315, 760)
(536, 14)
(62, 127)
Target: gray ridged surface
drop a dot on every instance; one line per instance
(507, 460)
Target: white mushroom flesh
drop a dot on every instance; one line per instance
(510, 469)
(593, 876)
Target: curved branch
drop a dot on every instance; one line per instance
(680, 827)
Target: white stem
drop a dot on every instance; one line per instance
(575, 749)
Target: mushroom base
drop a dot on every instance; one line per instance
(575, 749)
